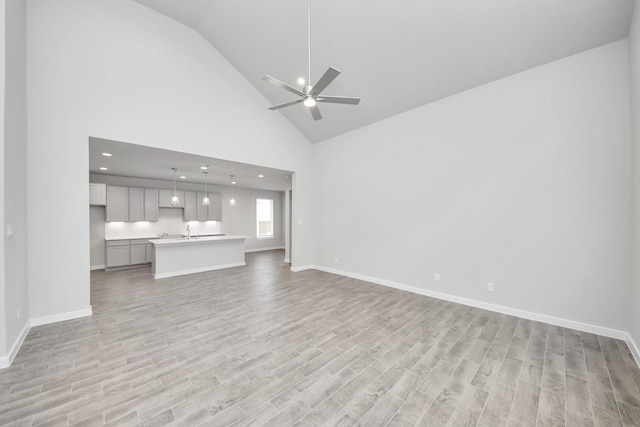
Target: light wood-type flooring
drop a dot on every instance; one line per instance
(259, 345)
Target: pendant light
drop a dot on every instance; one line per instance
(175, 200)
(232, 200)
(205, 199)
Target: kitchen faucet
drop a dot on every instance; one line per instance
(188, 232)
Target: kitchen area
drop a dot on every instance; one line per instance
(181, 213)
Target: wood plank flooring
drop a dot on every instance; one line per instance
(259, 345)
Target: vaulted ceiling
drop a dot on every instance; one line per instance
(395, 55)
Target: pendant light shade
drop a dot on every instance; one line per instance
(232, 200)
(205, 199)
(175, 200)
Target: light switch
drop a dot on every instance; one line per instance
(9, 231)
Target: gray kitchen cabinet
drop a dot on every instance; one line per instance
(97, 194)
(118, 253)
(190, 206)
(202, 210)
(138, 252)
(214, 213)
(151, 204)
(136, 204)
(164, 198)
(149, 253)
(117, 203)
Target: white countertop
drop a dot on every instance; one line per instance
(149, 237)
(130, 237)
(196, 239)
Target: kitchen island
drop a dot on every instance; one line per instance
(180, 256)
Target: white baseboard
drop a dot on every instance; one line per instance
(61, 317)
(97, 267)
(197, 270)
(271, 248)
(307, 267)
(634, 348)
(7, 360)
(565, 323)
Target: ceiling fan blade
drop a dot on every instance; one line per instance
(286, 104)
(315, 112)
(325, 80)
(284, 86)
(339, 99)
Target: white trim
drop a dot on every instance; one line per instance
(97, 267)
(565, 323)
(305, 267)
(197, 270)
(287, 260)
(7, 360)
(634, 348)
(271, 248)
(61, 317)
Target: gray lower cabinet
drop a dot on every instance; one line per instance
(122, 253)
(149, 253)
(118, 253)
(117, 203)
(138, 252)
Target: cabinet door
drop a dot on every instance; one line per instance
(150, 204)
(215, 208)
(138, 254)
(202, 210)
(164, 198)
(117, 256)
(117, 203)
(149, 252)
(136, 204)
(190, 209)
(97, 194)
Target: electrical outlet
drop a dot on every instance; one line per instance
(436, 277)
(490, 287)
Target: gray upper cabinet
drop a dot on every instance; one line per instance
(97, 194)
(136, 204)
(214, 213)
(117, 203)
(150, 204)
(190, 206)
(202, 210)
(164, 198)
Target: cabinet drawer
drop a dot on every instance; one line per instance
(117, 243)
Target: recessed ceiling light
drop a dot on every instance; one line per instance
(204, 168)
(107, 154)
(301, 81)
(104, 169)
(260, 176)
(183, 177)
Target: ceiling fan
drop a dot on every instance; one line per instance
(310, 95)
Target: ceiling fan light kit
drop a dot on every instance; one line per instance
(312, 94)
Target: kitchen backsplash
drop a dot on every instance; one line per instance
(170, 221)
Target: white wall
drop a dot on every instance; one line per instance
(3, 321)
(15, 179)
(117, 70)
(634, 73)
(523, 182)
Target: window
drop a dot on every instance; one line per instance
(264, 218)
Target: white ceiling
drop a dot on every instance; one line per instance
(395, 55)
(154, 163)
